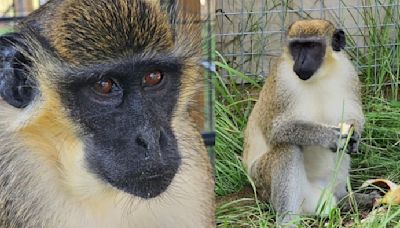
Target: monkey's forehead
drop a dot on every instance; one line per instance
(89, 31)
(307, 28)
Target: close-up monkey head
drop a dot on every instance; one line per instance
(95, 122)
(310, 43)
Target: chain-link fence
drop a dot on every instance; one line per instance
(250, 33)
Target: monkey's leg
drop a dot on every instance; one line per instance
(279, 176)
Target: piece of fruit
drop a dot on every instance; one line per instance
(345, 128)
(392, 195)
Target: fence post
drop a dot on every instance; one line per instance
(23, 7)
(207, 16)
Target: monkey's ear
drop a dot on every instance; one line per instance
(338, 40)
(16, 88)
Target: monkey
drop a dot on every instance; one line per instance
(293, 133)
(94, 119)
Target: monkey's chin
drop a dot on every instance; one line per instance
(305, 76)
(146, 187)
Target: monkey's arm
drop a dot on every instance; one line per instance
(304, 133)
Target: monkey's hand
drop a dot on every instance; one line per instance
(348, 139)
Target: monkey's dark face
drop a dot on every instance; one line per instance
(308, 56)
(126, 110)
(308, 53)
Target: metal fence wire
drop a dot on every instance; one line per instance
(250, 33)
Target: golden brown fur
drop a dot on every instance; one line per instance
(305, 28)
(128, 29)
(43, 181)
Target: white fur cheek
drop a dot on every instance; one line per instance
(13, 119)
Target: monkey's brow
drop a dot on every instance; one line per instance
(307, 39)
(97, 71)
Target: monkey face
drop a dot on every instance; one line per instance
(126, 110)
(109, 91)
(307, 55)
(309, 41)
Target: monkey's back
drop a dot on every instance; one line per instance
(258, 128)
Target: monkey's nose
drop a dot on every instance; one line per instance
(142, 142)
(150, 143)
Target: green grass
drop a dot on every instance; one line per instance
(379, 155)
(5, 30)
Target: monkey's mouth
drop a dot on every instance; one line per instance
(153, 186)
(146, 184)
(150, 184)
(304, 74)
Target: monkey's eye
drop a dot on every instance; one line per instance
(153, 78)
(106, 86)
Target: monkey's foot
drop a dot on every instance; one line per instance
(392, 195)
(327, 202)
